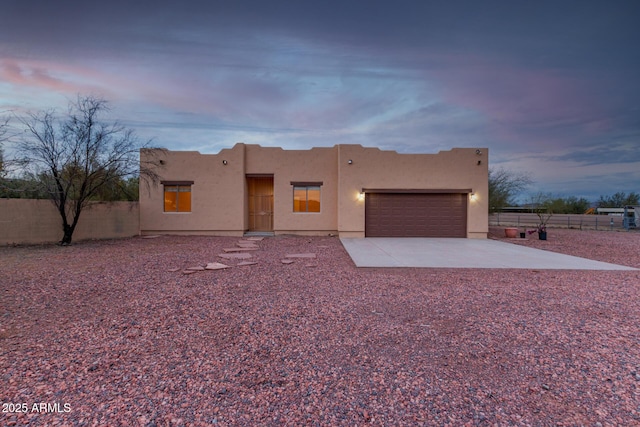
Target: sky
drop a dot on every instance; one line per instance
(551, 88)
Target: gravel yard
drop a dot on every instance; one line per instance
(111, 333)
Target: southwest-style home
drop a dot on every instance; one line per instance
(348, 190)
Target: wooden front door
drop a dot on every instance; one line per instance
(260, 191)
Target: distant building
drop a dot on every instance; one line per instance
(347, 190)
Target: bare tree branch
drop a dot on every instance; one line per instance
(74, 157)
(504, 186)
(4, 130)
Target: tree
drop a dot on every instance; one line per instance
(504, 186)
(619, 200)
(120, 189)
(542, 205)
(1, 162)
(4, 130)
(568, 205)
(576, 205)
(20, 188)
(73, 158)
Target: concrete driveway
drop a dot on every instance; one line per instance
(462, 253)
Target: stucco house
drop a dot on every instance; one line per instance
(347, 190)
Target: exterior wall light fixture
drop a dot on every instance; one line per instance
(224, 162)
(473, 197)
(360, 197)
(350, 161)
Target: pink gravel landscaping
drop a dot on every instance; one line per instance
(111, 333)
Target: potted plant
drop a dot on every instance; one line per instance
(541, 229)
(544, 213)
(511, 232)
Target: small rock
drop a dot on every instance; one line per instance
(242, 244)
(240, 249)
(215, 266)
(306, 255)
(235, 255)
(243, 263)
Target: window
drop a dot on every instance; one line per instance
(306, 196)
(177, 196)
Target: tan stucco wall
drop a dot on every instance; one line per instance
(315, 165)
(219, 192)
(372, 168)
(217, 195)
(24, 221)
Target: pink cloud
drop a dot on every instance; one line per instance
(30, 77)
(513, 98)
(11, 73)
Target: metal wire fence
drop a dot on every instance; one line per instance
(581, 222)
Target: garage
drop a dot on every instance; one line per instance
(416, 214)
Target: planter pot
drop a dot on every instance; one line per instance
(542, 235)
(511, 232)
(523, 235)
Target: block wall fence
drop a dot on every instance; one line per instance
(25, 221)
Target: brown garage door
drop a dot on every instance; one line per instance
(416, 215)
